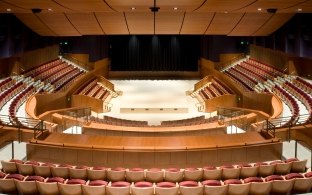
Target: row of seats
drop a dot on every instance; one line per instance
(65, 82)
(222, 86)
(17, 102)
(244, 75)
(265, 72)
(303, 84)
(48, 74)
(246, 86)
(10, 93)
(251, 74)
(273, 184)
(276, 71)
(190, 121)
(6, 83)
(290, 101)
(122, 122)
(94, 89)
(38, 69)
(262, 169)
(301, 95)
(261, 74)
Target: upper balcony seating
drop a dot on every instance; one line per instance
(272, 69)
(120, 122)
(303, 84)
(94, 89)
(6, 83)
(8, 94)
(246, 86)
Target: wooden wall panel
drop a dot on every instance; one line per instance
(59, 23)
(113, 23)
(249, 24)
(85, 23)
(196, 22)
(34, 23)
(140, 23)
(168, 22)
(273, 24)
(223, 23)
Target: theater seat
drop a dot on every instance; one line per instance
(154, 175)
(50, 186)
(97, 173)
(258, 186)
(7, 184)
(142, 188)
(214, 187)
(297, 166)
(71, 187)
(301, 184)
(265, 169)
(237, 187)
(26, 168)
(248, 171)
(173, 175)
(193, 174)
(43, 170)
(279, 184)
(97, 187)
(166, 188)
(116, 174)
(9, 166)
(135, 174)
(211, 172)
(78, 172)
(230, 172)
(191, 187)
(29, 186)
(61, 171)
(118, 188)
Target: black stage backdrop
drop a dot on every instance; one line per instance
(154, 53)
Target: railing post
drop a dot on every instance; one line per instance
(12, 149)
(296, 147)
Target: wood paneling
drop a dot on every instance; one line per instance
(126, 5)
(59, 23)
(85, 23)
(43, 4)
(140, 23)
(223, 23)
(113, 23)
(273, 24)
(85, 6)
(224, 5)
(168, 22)
(4, 6)
(183, 5)
(306, 7)
(250, 23)
(196, 22)
(34, 23)
(266, 4)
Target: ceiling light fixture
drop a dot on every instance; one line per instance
(299, 10)
(49, 9)
(226, 12)
(175, 8)
(259, 9)
(9, 10)
(133, 8)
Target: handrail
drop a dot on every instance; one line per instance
(224, 65)
(76, 61)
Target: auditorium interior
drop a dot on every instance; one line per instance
(156, 97)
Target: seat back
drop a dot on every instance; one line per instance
(212, 174)
(298, 166)
(96, 174)
(116, 175)
(260, 188)
(215, 190)
(135, 175)
(48, 188)
(43, 171)
(193, 174)
(9, 167)
(154, 175)
(173, 176)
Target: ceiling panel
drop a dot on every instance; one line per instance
(224, 5)
(4, 6)
(223, 23)
(85, 23)
(34, 23)
(266, 4)
(183, 5)
(273, 24)
(113, 23)
(168, 22)
(126, 5)
(140, 23)
(59, 23)
(42, 4)
(305, 7)
(196, 22)
(250, 23)
(85, 5)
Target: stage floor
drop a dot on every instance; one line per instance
(151, 94)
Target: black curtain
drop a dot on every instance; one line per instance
(154, 53)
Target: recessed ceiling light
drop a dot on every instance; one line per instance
(299, 10)
(259, 9)
(49, 9)
(226, 12)
(132, 8)
(175, 8)
(9, 9)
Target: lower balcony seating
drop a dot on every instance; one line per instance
(273, 177)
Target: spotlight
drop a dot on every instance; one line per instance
(271, 10)
(36, 10)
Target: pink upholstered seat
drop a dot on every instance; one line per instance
(258, 186)
(173, 175)
(71, 187)
(44, 169)
(61, 170)
(212, 182)
(214, 187)
(116, 174)
(95, 187)
(191, 187)
(247, 170)
(9, 166)
(265, 169)
(135, 174)
(236, 187)
(118, 188)
(7, 184)
(29, 186)
(166, 188)
(50, 186)
(154, 175)
(279, 185)
(142, 188)
(211, 172)
(79, 172)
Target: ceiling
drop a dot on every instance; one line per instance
(192, 17)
